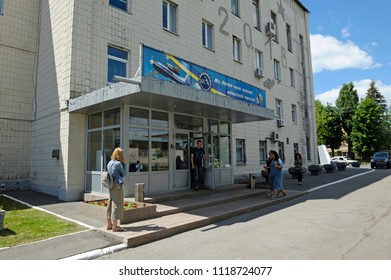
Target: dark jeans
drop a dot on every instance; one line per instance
(299, 176)
(197, 176)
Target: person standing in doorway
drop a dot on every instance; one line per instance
(298, 168)
(115, 207)
(197, 156)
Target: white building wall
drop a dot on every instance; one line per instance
(74, 36)
(18, 42)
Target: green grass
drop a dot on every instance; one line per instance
(23, 224)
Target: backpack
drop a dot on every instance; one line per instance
(107, 180)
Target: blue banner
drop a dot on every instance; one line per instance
(164, 66)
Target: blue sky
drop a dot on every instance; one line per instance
(350, 42)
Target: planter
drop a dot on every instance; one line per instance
(292, 171)
(355, 164)
(330, 168)
(2, 217)
(142, 212)
(341, 166)
(315, 170)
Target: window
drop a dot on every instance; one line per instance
(104, 134)
(279, 113)
(273, 18)
(117, 63)
(295, 148)
(138, 148)
(292, 77)
(262, 151)
(169, 16)
(120, 4)
(240, 151)
(235, 7)
(281, 152)
(236, 49)
(258, 59)
(277, 70)
(1, 6)
(188, 123)
(289, 37)
(256, 18)
(207, 35)
(294, 113)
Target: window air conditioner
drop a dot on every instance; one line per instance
(271, 29)
(281, 123)
(274, 136)
(259, 72)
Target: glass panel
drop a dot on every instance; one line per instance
(111, 140)
(172, 18)
(225, 127)
(159, 119)
(213, 126)
(188, 123)
(138, 117)
(225, 151)
(112, 117)
(95, 120)
(159, 141)
(120, 4)
(181, 151)
(94, 151)
(165, 15)
(138, 148)
(216, 150)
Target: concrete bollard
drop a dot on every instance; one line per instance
(139, 192)
(252, 180)
(2, 217)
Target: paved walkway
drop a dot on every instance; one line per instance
(96, 241)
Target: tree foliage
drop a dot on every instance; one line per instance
(346, 103)
(367, 127)
(328, 125)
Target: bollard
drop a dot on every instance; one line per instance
(139, 192)
(252, 180)
(2, 217)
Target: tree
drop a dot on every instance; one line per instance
(367, 127)
(346, 103)
(329, 129)
(375, 94)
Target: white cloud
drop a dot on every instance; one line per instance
(328, 53)
(361, 86)
(345, 32)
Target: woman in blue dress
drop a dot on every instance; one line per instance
(275, 174)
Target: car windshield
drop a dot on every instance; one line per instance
(380, 155)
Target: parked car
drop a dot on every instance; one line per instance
(381, 160)
(342, 159)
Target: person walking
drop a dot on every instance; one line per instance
(197, 156)
(115, 207)
(298, 168)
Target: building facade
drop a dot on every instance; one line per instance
(79, 78)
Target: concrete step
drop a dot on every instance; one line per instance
(147, 231)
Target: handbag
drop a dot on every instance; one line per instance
(107, 180)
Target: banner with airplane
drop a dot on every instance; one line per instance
(164, 66)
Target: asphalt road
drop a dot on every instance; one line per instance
(345, 221)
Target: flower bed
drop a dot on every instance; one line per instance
(133, 211)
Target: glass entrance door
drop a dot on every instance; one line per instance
(210, 149)
(182, 161)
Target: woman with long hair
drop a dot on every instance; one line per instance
(115, 207)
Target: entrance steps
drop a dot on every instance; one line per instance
(187, 210)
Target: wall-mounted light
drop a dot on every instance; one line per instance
(56, 153)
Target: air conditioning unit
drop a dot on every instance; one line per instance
(274, 136)
(281, 123)
(271, 29)
(259, 72)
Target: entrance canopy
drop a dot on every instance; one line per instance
(171, 97)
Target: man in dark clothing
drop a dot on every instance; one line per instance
(197, 156)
